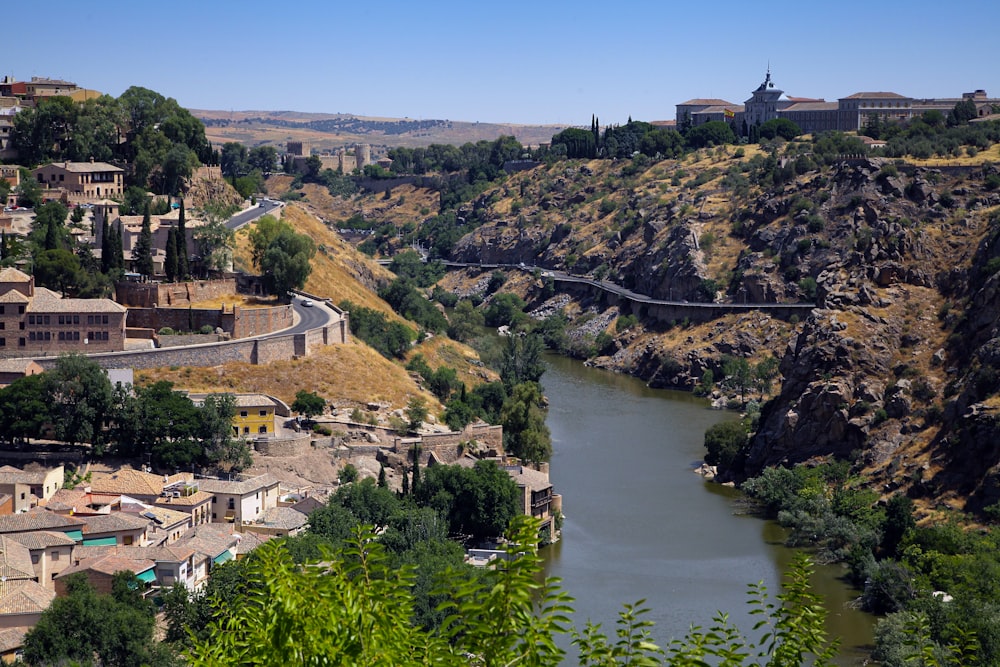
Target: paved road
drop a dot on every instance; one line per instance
(310, 317)
(240, 219)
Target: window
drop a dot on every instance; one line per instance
(45, 319)
(55, 555)
(62, 335)
(232, 504)
(104, 319)
(262, 413)
(76, 319)
(31, 318)
(34, 559)
(246, 429)
(3, 325)
(90, 319)
(3, 342)
(20, 342)
(127, 540)
(213, 500)
(20, 310)
(243, 413)
(262, 429)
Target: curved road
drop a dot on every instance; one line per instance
(251, 214)
(310, 317)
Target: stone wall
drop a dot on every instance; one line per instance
(147, 295)
(237, 322)
(291, 446)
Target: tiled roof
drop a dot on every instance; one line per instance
(13, 296)
(195, 498)
(85, 167)
(47, 301)
(15, 560)
(42, 539)
(12, 639)
(705, 101)
(128, 481)
(24, 597)
(251, 541)
(308, 505)
(719, 108)
(162, 516)
(110, 563)
(12, 275)
(38, 519)
(16, 365)
(876, 96)
(240, 488)
(240, 400)
(12, 475)
(285, 518)
(528, 477)
(209, 539)
(114, 522)
(812, 106)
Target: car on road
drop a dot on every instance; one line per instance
(308, 303)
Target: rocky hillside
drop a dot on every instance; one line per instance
(895, 366)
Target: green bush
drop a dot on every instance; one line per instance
(166, 331)
(723, 442)
(206, 329)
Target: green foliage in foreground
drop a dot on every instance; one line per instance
(354, 609)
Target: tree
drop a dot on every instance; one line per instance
(58, 270)
(264, 158)
(24, 408)
(465, 321)
(521, 360)
(780, 127)
(712, 133)
(723, 443)
(963, 112)
(416, 412)
(524, 431)
(80, 397)
(214, 241)
(142, 253)
(263, 234)
(480, 502)
(308, 403)
(183, 270)
(170, 260)
(117, 629)
(233, 159)
(738, 375)
(29, 192)
(286, 262)
(222, 449)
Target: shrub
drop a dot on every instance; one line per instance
(723, 442)
(206, 329)
(322, 429)
(166, 331)
(347, 474)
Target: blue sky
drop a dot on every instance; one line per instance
(546, 61)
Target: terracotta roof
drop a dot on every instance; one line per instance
(42, 539)
(12, 475)
(240, 488)
(15, 560)
(110, 563)
(162, 516)
(806, 99)
(875, 96)
(16, 365)
(240, 400)
(812, 106)
(12, 639)
(308, 505)
(12, 275)
(705, 101)
(38, 519)
(114, 522)
(210, 539)
(719, 108)
(128, 481)
(285, 518)
(13, 296)
(195, 498)
(251, 541)
(47, 301)
(24, 597)
(84, 167)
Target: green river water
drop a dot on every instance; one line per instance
(640, 524)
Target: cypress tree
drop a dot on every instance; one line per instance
(107, 254)
(170, 261)
(183, 270)
(406, 484)
(3, 244)
(142, 253)
(118, 250)
(383, 483)
(416, 469)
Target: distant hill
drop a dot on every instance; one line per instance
(329, 131)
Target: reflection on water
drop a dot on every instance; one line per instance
(640, 524)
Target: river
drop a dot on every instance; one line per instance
(640, 524)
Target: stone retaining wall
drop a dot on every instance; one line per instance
(290, 446)
(147, 295)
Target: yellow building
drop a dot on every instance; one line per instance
(255, 414)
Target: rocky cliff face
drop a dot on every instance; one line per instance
(895, 368)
